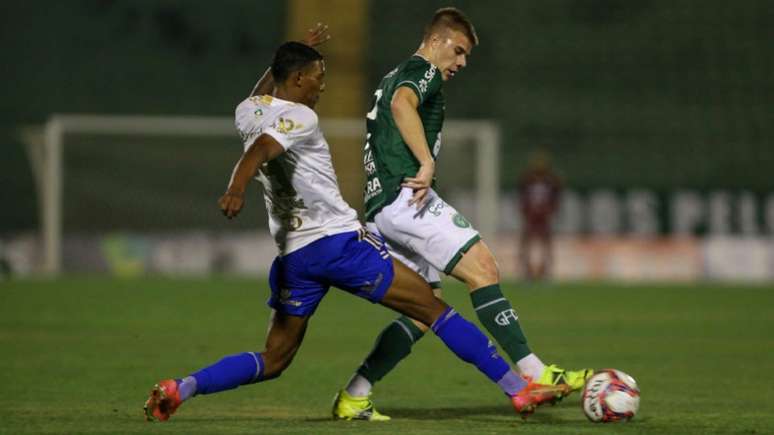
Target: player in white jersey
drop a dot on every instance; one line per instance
(300, 188)
(321, 244)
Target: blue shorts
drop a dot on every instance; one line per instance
(356, 261)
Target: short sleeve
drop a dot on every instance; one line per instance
(293, 126)
(424, 79)
(247, 119)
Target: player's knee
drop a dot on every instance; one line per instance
(426, 308)
(486, 271)
(478, 267)
(434, 311)
(275, 369)
(425, 311)
(489, 270)
(276, 361)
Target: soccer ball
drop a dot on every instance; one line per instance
(610, 395)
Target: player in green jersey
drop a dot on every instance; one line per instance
(423, 231)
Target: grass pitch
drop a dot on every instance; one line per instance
(79, 356)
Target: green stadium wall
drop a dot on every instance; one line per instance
(657, 94)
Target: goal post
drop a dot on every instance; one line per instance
(46, 145)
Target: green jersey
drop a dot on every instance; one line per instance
(386, 157)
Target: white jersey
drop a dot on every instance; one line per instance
(300, 187)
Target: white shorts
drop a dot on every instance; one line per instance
(428, 241)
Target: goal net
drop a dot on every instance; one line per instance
(162, 175)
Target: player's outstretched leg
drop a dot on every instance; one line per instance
(478, 269)
(412, 296)
(285, 336)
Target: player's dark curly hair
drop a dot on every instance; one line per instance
(290, 57)
(452, 18)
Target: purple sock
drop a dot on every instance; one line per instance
(472, 346)
(186, 387)
(229, 373)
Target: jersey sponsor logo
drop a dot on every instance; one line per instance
(429, 74)
(282, 200)
(368, 158)
(370, 167)
(503, 318)
(373, 188)
(423, 86)
(460, 221)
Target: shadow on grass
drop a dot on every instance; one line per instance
(489, 413)
(455, 412)
(499, 413)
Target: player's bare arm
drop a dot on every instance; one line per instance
(265, 84)
(315, 37)
(404, 110)
(264, 148)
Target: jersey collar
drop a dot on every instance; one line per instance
(421, 57)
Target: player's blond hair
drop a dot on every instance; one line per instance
(452, 18)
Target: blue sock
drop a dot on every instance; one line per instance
(472, 346)
(229, 373)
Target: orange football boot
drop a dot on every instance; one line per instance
(163, 401)
(533, 395)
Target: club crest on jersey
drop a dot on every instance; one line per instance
(460, 221)
(503, 318)
(435, 208)
(286, 125)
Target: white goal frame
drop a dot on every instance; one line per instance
(45, 147)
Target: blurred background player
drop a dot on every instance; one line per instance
(539, 192)
(424, 232)
(321, 244)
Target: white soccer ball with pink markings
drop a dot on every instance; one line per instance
(610, 395)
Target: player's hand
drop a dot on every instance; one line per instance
(317, 35)
(420, 183)
(231, 204)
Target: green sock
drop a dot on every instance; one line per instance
(498, 317)
(392, 345)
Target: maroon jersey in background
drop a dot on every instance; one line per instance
(539, 191)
